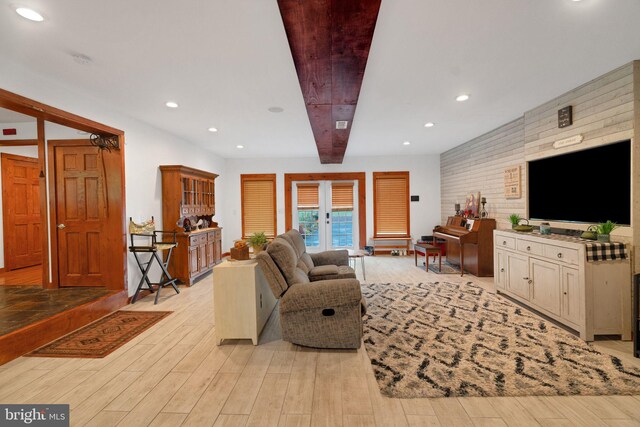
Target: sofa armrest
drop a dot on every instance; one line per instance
(320, 295)
(340, 257)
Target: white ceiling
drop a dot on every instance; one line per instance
(8, 116)
(227, 61)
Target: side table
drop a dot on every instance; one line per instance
(242, 300)
(354, 255)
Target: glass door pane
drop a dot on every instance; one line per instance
(341, 201)
(308, 214)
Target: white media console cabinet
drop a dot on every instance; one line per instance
(551, 274)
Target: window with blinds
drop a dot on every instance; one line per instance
(308, 198)
(258, 204)
(391, 204)
(342, 196)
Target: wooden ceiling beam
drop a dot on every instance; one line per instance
(330, 42)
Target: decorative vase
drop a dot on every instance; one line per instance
(257, 249)
(604, 238)
(513, 226)
(545, 228)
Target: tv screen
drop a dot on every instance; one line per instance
(587, 186)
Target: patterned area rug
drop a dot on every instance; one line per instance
(103, 336)
(444, 339)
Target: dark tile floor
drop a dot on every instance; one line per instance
(23, 305)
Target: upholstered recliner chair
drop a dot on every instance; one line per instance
(321, 304)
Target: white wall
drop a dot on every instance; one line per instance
(146, 147)
(24, 130)
(424, 181)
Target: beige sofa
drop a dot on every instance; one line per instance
(321, 304)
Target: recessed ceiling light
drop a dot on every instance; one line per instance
(276, 109)
(212, 130)
(406, 143)
(240, 147)
(463, 97)
(429, 124)
(171, 104)
(29, 14)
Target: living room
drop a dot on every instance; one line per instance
(217, 89)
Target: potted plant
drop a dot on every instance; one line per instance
(605, 229)
(514, 219)
(258, 240)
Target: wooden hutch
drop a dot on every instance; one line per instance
(190, 192)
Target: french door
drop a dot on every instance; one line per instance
(325, 213)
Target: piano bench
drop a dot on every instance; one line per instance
(405, 245)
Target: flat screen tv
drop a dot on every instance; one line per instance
(588, 186)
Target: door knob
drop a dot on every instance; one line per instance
(61, 226)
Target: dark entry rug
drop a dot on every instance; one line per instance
(103, 336)
(444, 339)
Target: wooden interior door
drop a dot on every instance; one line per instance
(21, 211)
(81, 216)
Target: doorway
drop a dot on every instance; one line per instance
(86, 204)
(20, 215)
(326, 214)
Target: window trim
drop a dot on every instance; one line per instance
(259, 177)
(399, 174)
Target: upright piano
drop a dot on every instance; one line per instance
(469, 245)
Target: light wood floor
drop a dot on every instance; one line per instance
(174, 374)
(28, 276)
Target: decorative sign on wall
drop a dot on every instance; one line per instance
(565, 117)
(512, 188)
(568, 141)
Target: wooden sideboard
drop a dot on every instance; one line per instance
(552, 275)
(190, 192)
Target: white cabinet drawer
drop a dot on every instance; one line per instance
(505, 242)
(530, 247)
(561, 254)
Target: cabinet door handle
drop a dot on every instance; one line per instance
(525, 278)
(530, 282)
(564, 293)
(504, 242)
(559, 254)
(502, 270)
(528, 248)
